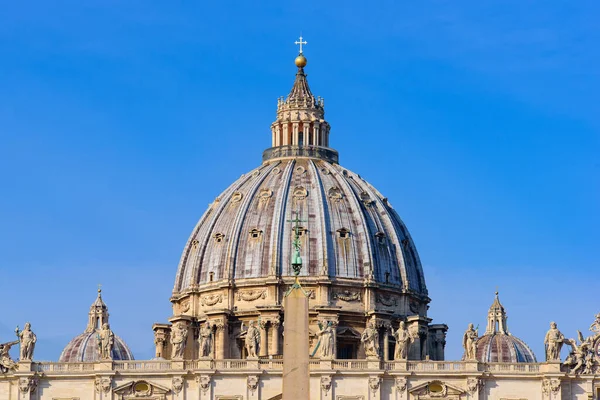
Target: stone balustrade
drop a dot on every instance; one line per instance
(427, 367)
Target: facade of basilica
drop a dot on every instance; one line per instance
(369, 333)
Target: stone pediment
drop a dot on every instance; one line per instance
(437, 390)
(141, 390)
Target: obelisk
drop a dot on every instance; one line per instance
(296, 378)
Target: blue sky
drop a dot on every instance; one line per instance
(120, 123)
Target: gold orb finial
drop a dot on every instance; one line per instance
(300, 61)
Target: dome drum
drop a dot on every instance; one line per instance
(352, 297)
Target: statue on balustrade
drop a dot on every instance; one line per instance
(252, 340)
(582, 358)
(27, 341)
(595, 327)
(106, 342)
(403, 341)
(370, 340)
(179, 334)
(470, 343)
(6, 362)
(553, 342)
(206, 340)
(326, 341)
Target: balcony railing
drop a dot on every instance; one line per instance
(428, 367)
(289, 151)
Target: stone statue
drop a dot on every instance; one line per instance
(370, 339)
(7, 363)
(27, 340)
(577, 358)
(403, 341)
(595, 327)
(327, 340)
(106, 342)
(470, 343)
(252, 340)
(553, 342)
(179, 334)
(206, 339)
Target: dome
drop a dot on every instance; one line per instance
(498, 344)
(504, 348)
(349, 230)
(85, 347)
(358, 260)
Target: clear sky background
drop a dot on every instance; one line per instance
(121, 121)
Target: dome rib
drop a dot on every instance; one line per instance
(388, 228)
(239, 222)
(279, 221)
(180, 279)
(361, 246)
(321, 204)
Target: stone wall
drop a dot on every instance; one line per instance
(262, 379)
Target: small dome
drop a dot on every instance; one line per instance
(505, 348)
(85, 347)
(498, 344)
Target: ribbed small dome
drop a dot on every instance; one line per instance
(498, 344)
(85, 347)
(506, 348)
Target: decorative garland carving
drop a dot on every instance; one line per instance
(386, 300)
(251, 295)
(347, 295)
(185, 306)
(211, 299)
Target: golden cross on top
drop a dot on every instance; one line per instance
(99, 287)
(300, 42)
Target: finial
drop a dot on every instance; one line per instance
(300, 61)
(99, 289)
(300, 42)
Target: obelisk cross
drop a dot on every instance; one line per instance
(297, 244)
(300, 42)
